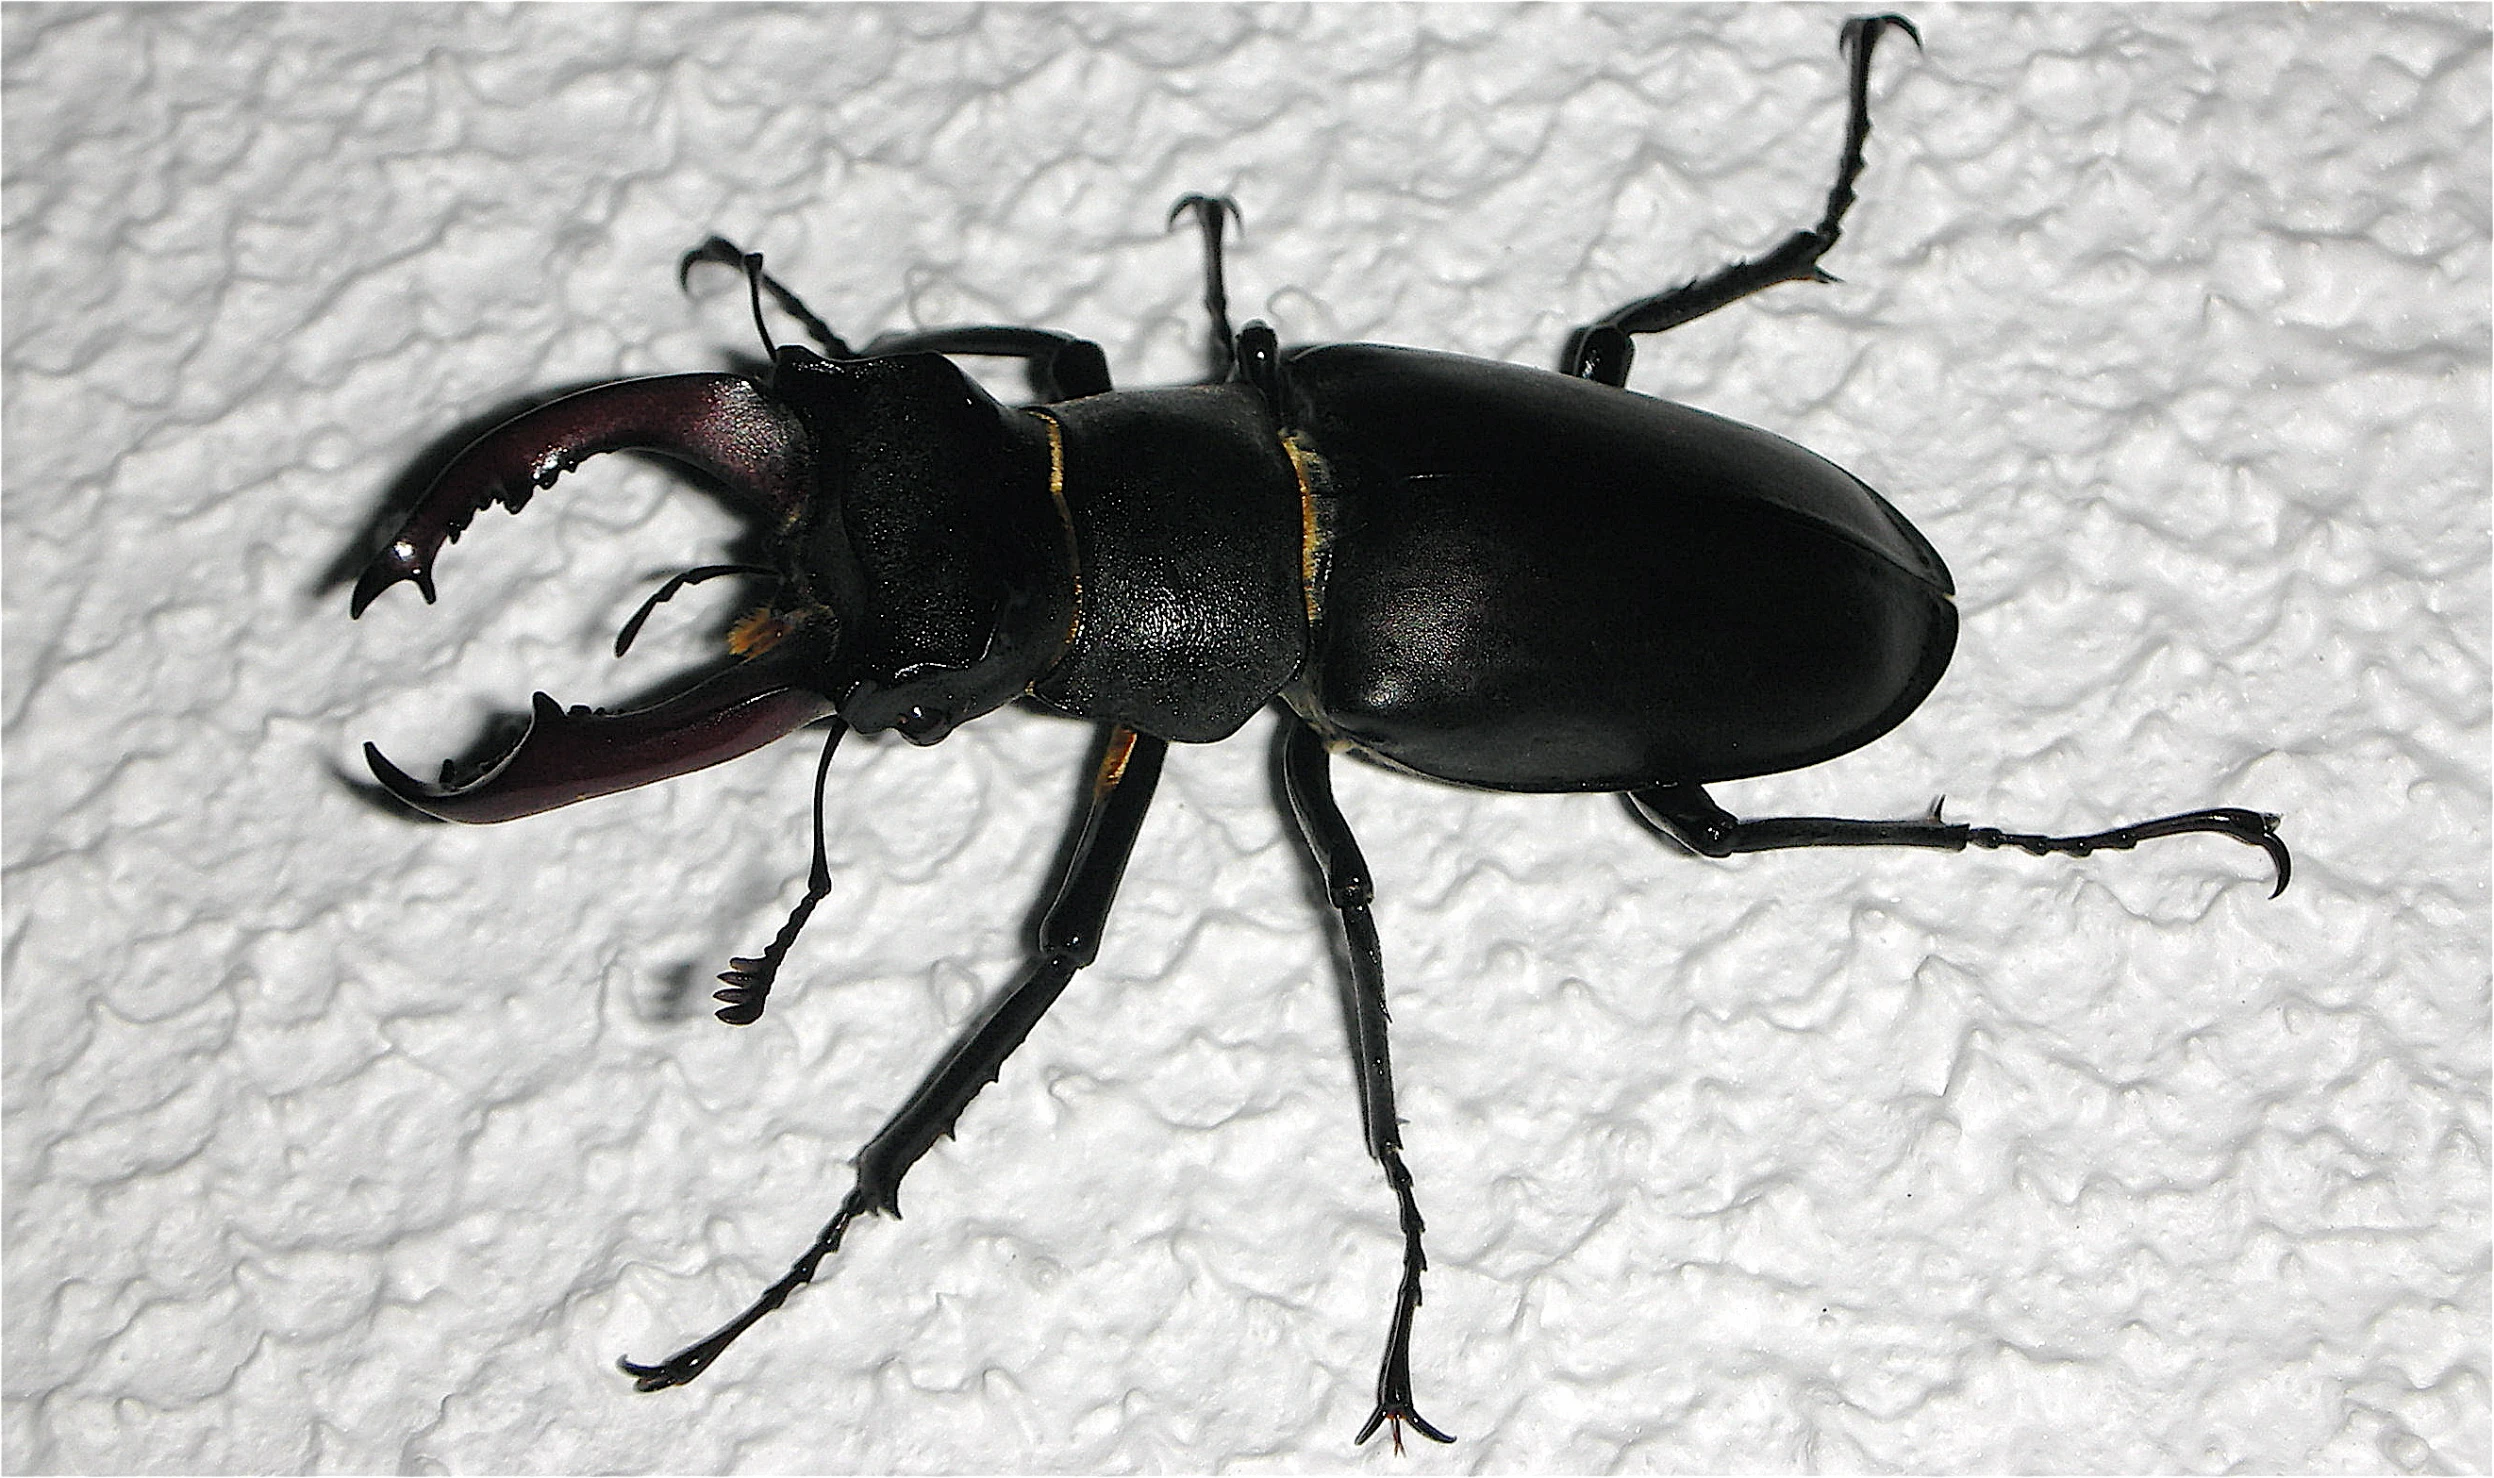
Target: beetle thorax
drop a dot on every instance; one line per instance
(1188, 526)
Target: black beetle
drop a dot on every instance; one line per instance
(1485, 574)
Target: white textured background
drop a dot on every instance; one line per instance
(338, 1142)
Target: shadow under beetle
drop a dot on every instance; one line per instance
(1477, 572)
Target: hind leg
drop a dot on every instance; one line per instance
(1601, 350)
(1688, 816)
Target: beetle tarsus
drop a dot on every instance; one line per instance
(1394, 1374)
(1853, 29)
(1393, 1417)
(2252, 828)
(688, 1363)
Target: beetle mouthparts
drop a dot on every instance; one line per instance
(401, 561)
(723, 425)
(573, 754)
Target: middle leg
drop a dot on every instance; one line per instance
(1348, 889)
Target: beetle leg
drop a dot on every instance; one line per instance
(1069, 939)
(1061, 366)
(1257, 361)
(728, 254)
(1686, 815)
(1209, 211)
(1602, 351)
(1349, 889)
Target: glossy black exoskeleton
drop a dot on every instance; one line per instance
(1490, 575)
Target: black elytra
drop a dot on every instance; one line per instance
(1494, 576)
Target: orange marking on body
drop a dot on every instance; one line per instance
(1311, 529)
(757, 631)
(1065, 518)
(1113, 764)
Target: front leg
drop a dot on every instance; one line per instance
(1061, 366)
(1069, 939)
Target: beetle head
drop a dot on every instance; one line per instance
(924, 578)
(934, 538)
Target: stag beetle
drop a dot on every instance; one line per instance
(1485, 574)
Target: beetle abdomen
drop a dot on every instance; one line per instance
(1537, 583)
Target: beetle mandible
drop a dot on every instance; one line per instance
(1485, 574)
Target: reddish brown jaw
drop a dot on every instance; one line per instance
(724, 425)
(571, 755)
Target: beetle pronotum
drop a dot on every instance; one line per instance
(1495, 576)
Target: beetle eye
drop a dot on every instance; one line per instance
(924, 725)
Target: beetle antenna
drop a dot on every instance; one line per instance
(748, 981)
(666, 592)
